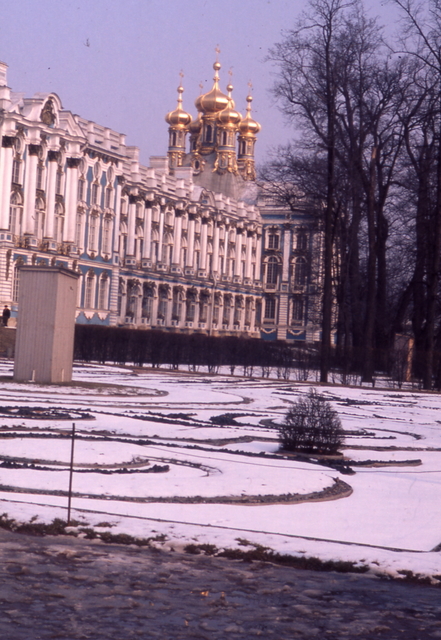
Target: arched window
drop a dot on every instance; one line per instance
(39, 218)
(203, 306)
(58, 223)
(297, 309)
(16, 280)
(272, 271)
(300, 272)
(132, 298)
(107, 228)
(93, 232)
(177, 304)
(16, 214)
(190, 306)
(209, 133)
(147, 300)
(103, 291)
(163, 302)
(302, 240)
(227, 310)
(89, 293)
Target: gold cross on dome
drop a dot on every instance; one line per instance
(217, 53)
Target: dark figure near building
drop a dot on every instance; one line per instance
(6, 315)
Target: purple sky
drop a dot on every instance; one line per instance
(118, 62)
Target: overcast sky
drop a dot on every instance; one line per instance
(117, 62)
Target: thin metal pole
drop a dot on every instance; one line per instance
(71, 473)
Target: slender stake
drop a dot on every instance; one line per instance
(71, 473)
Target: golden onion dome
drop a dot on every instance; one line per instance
(248, 126)
(229, 116)
(179, 118)
(195, 125)
(213, 101)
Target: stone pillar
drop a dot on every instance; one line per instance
(237, 266)
(258, 254)
(190, 240)
(52, 168)
(119, 185)
(286, 251)
(216, 248)
(70, 198)
(161, 233)
(6, 160)
(30, 185)
(131, 226)
(177, 238)
(204, 234)
(147, 250)
(249, 255)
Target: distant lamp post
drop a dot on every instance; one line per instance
(213, 276)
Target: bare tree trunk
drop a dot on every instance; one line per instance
(371, 278)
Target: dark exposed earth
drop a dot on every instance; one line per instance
(70, 588)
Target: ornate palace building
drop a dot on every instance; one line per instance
(186, 244)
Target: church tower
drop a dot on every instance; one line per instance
(179, 121)
(248, 130)
(222, 141)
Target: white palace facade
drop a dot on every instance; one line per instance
(187, 244)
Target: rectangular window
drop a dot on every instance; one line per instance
(94, 196)
(16, 171)
(108, 200)
(79, 231)
(80, 194)
(58, 183)
(106, 236)
(273, 241)
(270, 309)
(92, 232)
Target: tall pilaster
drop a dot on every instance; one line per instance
(6, 160)
(52, 168)
(70, 198)
(30, 184)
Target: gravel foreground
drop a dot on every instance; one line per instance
(69, 588)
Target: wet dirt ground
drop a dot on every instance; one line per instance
(68, 588)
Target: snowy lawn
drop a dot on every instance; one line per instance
(214, 437)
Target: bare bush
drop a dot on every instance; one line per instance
(311, 425)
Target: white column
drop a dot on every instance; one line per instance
(131, 226)
(177, 238)
(6, 160)
(147, 249)
(52, 167)
(226, 248)
(204, 233)
(161, 234)
(249, 255)
(30, 184)
(286, 246)
(216, 234)
(70, 198)
(190, 240)
(116, 230)
(258, 254)
(237, 266)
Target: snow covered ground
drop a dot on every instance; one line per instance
(391, 521)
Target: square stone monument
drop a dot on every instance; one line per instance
(46, 324)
